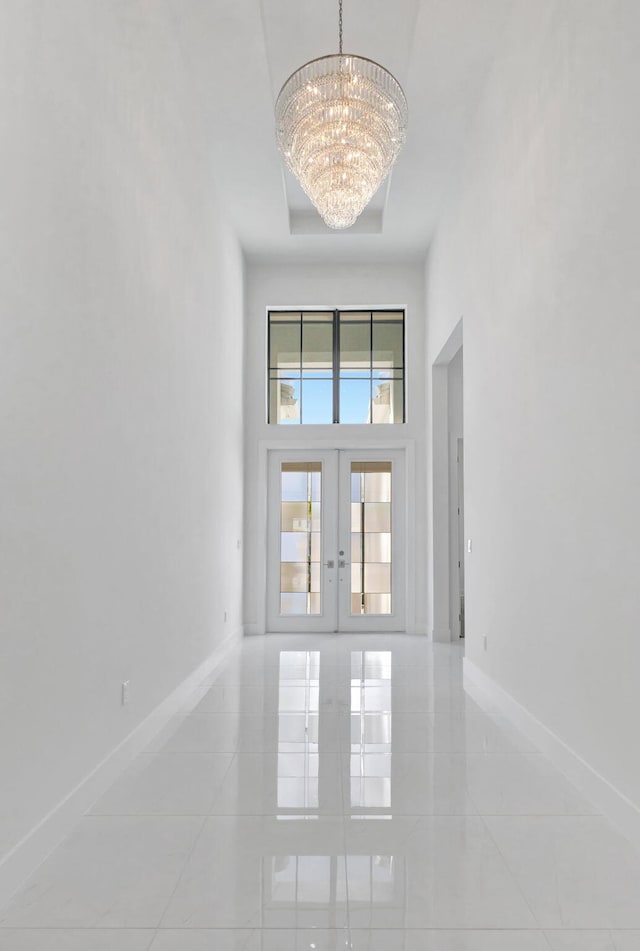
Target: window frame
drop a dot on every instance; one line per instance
(335, 371)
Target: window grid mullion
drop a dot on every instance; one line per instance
(371, 367)
(300, 366)
(336, 366)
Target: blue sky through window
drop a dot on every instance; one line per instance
(317, 398)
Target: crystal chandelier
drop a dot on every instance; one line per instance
(340, 123)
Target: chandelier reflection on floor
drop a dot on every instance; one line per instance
(340, 124)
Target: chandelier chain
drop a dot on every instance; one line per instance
(340, 25)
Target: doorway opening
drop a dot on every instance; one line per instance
(448, 540)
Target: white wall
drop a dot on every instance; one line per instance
(316, 285)
(539, 253)
(121, 410)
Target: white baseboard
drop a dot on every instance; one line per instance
(18, 864)
(610, 801)
(441, 635)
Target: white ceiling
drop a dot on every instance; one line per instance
(239, 53)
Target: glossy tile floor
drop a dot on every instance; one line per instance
(336, 793)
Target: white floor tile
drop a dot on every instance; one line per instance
(274, 699)
(173, 784)
(575, 872)
(430, 872)
(266, 784)
(594, 940)
(413, 784)
(41, 939)
(199, 733)
(238, 698)
(521, 784)
(248, 733)
(112, 872)
(306, 940)
(423, 695)
(290, 939)
(406, 940)
(249, 872)
(198, 940)
(438, 733)
(336, 794)
(626, 940)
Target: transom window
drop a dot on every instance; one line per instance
(337, 366)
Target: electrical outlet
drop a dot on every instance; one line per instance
(485, 641)
(126, 687)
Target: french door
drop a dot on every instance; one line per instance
(336, 541)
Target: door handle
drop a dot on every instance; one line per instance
(342, 563)
(329, 564)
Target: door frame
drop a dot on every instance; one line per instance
(336, 615)
(460, 533)
(377, 442)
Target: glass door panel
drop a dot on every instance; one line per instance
(301, 578)
(371, 534)
(300, 537)
(371, 537)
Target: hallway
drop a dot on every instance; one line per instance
(335, 792)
